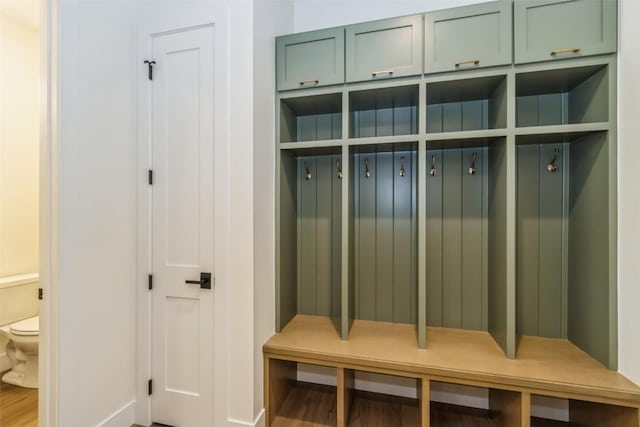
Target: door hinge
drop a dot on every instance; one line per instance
(150, 64)
(150, 281)
(150, 177)
(40, 293)
(150, 387)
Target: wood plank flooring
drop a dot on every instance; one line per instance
(18, 406)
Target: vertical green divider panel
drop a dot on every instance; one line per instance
(500, 324)
(336, 242)
(307, 235)
(348, 258)
(589, 297)
(287, 284)
(434, 228)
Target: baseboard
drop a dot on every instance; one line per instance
(122, 417)
(258, 422)
(5, 363)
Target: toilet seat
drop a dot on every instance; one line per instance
(27, 327)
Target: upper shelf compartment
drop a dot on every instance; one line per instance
(464, 105)
(562, 96)
(311, 118)
(310, 59)
(383, 49)
(468, 37)
(384, 112)
(553, 29)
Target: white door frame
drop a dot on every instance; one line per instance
(48, 360)
(169, 21)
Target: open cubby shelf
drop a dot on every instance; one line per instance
(311, 118)
(562, 96)
(469, 104)
(388, 111)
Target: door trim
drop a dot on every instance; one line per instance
(191, 20)
(49, 149)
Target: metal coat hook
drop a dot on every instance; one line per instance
(433, 171)
(402, 171)
(472, 167)
(339, 167)
(367, 172)
(553, 164)
(307, 174)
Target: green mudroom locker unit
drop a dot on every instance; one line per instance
(453, 169)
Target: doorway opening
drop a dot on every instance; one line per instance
(21, 127)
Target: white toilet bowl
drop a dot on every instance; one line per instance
(22, 351)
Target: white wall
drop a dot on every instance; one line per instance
(19, 144)
(628, 191)
(271, 18)
(96, 212)
(316, 14)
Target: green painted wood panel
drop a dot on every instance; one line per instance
(384, 112)
(544, 26)
(455, 254)
(434, 214)
(318, 237)
(589, 314)
(498, 318)
(456, 38)
(314, 58)
(288, 268)
(384, 49)
(385, 238)
(540, 241)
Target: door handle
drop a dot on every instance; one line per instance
(204, 282)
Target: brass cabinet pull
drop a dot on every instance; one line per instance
(471, 61)
(567, 50)
(304, 82)
(376, 73)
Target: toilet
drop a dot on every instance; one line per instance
(22, 351)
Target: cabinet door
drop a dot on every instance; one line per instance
(553, 29)
(311, 59)
(468, 37)
(383, 49)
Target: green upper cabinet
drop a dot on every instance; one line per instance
(383, 49)
(310, 59)
(553, 29)
(468, 37)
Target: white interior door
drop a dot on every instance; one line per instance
(183, 227)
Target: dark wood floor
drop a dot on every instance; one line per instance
(310, 405)
(18, 406)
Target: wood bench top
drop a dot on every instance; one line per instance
(552, 367)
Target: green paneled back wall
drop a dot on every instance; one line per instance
(385, 236)
(541, 240)
(457, 238)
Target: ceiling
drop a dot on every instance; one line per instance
(26, 12)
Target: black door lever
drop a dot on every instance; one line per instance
(204, 282)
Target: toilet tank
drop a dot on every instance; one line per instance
(18, 297)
